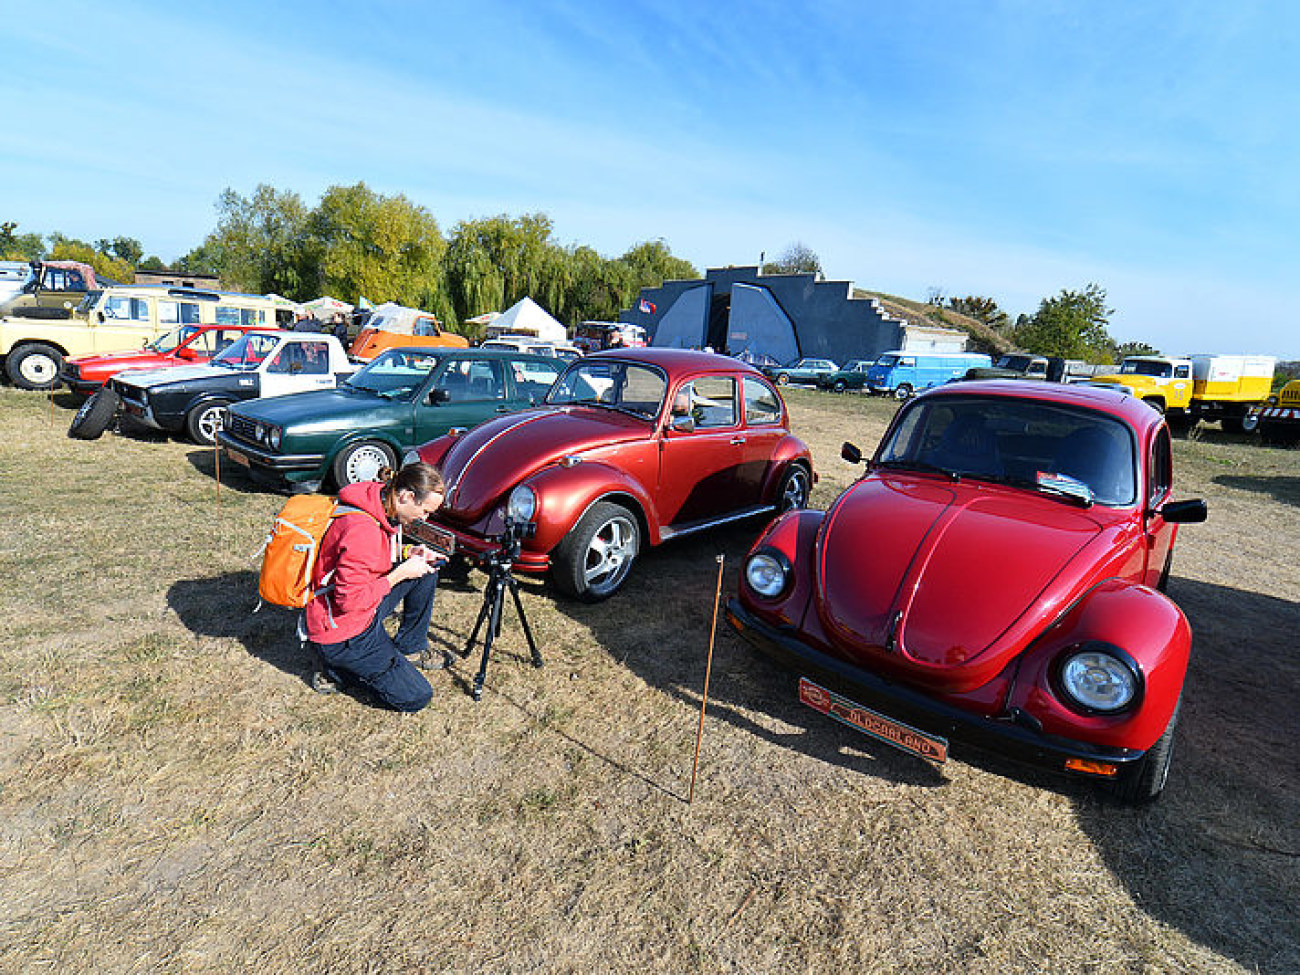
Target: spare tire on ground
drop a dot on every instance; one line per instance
(95, 415)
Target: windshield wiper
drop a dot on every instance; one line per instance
(921, 466)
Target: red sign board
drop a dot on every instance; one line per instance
(876, 725)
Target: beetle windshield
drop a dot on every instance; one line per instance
(397, 374)
(627, 386)
(1059, 450)
(247, 352)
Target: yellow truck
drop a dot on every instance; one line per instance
(1226, 388)
(1279, 418)
(120, 318)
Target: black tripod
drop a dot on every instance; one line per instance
(498, 565)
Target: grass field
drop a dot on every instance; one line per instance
(174, 798)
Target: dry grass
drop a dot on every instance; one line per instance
(174, 798)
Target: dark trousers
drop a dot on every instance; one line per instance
(377, 661)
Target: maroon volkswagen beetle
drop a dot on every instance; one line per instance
(630, 448)
(996, 578)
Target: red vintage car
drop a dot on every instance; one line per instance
(630, 448)
(996, 578)
(189, 344)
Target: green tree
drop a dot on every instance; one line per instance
(493, 262)
(20, 247)
(981, 309)
(1136, 348)
(152, 263)
(1072, 325)
(797, 258)
(384, 248)
(652, 263)
(261, 245)
(106, 266)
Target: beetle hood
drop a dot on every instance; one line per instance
(944, 583)
(486, 463)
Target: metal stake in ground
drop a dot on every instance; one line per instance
(708, 669)
(216, 461)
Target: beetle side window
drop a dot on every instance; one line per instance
(762, 405)
(712, 401)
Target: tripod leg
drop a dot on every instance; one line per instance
(523, 620)
(478, 623)
(492, 605)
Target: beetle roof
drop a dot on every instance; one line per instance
(678, 362)
(1120, 404)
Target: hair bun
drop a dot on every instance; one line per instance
(386, 474)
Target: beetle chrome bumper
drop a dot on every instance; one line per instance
(1012, 738)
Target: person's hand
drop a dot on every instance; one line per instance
(435, 559)
(412, 568)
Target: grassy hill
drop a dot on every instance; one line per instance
(983, 338)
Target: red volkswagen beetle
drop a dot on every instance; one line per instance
(996, 578)
(630, 448)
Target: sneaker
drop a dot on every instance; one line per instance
(323, 683)
(433, 660)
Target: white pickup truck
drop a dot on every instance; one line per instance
(193, 399)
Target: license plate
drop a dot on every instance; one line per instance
(438, 539)
(237, 457)
(891, 732)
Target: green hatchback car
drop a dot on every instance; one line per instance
(403, 398)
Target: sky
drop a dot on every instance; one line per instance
(1008, 149)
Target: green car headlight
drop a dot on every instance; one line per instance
(273, 438)
(1099, 678)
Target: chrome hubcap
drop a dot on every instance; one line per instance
(610, 552)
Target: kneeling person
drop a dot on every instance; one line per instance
(360, 577)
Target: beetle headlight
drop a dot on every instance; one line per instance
(1100, 678)
(522, 505)
(767, 573)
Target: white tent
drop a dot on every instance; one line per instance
(527, 317)
(325, 306)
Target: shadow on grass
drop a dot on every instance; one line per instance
(1279, 488)
(1218, 856)
(233, 476)
(665, 641)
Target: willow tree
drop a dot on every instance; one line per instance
(376, 246)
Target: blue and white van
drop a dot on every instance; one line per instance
(900, 374)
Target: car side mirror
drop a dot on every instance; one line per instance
(683, 423)
(438, 396)
(1185, 512)
(851, 453)
(186, 353)
(101, 316)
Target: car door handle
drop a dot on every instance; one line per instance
(503, 409)
(737, 440)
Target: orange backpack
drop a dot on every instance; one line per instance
(290, 549)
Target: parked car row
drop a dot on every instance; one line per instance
(1068, 655)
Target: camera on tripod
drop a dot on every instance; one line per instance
(497, 563)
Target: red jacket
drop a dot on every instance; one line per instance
(360, 550)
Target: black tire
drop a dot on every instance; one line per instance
(361, 461)
(782, 378)
(204, 420)
(902, 391)
(1231, 424)
(95, 415)
(35, 366)
(1144, 780)
(840, 386)
(593, 560)
(796, 486)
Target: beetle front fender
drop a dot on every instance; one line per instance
(564, 493)
(1142, 623)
